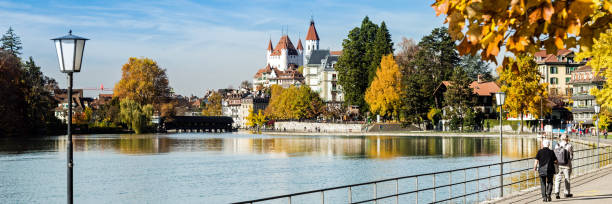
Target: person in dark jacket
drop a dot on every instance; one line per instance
(545, 166)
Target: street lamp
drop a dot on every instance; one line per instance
(500, 99)
(70, 55)
(596, 107)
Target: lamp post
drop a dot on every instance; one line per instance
(597, 107)
(70, 55)
(500, 98)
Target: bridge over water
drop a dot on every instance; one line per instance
(199, 124)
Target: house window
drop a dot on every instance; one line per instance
(567, 79)
(569, 70)
(554, 80)
(553, 70)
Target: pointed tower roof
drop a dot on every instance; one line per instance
(312, 32)
(284, 43)
(299, 46)
(270, 48)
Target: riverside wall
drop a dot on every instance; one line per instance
(292, 126)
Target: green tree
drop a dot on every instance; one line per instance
(520, 80)
(144, 82)
(362, 50)
(381, 46)
(12, 98)
(11, 42)
(459, 97)
(213, 107)
(383, 95)
(137, 117)
(474, 66)
(433, 62)
(40, 103)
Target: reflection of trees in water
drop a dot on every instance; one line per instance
(357, 147)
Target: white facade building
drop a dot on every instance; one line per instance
(320, 74)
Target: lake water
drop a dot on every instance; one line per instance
(226, 167)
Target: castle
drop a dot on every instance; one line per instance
(284, 60)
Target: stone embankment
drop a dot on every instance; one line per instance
(293, 126)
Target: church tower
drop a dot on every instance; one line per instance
(312, 41)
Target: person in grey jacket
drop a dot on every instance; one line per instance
(565, 171)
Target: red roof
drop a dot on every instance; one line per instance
(545, 57)
(270, 45)
(336, 53)
(284, 43)
(266, 69)
(485, 88)
(299, 47)
(481, 89)
(312, 32)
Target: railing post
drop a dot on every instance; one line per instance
(322, 197)
(464, 184)
(417, 189)
(350, 195)
(289, 199)
(375, 201)
(450, 187)
(477, 185)
(489, 186)
(434, 187)
(396, 191)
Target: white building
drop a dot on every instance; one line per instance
(320, 74)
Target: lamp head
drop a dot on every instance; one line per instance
(70, 52)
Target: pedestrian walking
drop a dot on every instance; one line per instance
(545, 166)
(565, 154)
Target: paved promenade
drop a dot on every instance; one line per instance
(595, 187)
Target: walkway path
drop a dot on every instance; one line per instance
(595, 187)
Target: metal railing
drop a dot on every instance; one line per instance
(466, 185)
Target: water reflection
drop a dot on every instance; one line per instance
(379, 147)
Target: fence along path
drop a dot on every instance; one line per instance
(465, 185)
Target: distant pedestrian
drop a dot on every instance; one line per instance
(565, 154)
(545, 166)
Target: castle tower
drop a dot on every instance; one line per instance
(312, 41)
(269, 52)
(300, 50)
(283, 54)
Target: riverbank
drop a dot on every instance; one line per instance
(399, 133)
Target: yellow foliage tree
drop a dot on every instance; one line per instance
(524, 25)
(293, 103)
(256, 120)
(601, 62)
(525, 94)
(383, 95)
(143, 82)
(213, 107)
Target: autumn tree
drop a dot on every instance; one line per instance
(213, 106)
(383, 95)
(520, 81)
(40, 103)
(459, 97)
(294, 103)
(256, 120)
(144, 82)
(601, 62)
(11, 42)
(524, 26)
(405, 55)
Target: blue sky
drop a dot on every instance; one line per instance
(202, 44)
